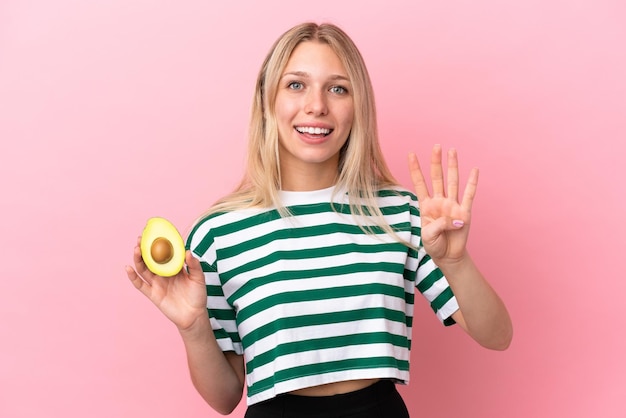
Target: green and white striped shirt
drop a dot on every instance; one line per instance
(311, 299)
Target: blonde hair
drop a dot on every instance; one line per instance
(361, 170)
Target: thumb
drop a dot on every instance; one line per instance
(457, 224)
(441, 225)
(193, 267)
(449, 224)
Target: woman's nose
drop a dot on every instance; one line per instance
(316, 103)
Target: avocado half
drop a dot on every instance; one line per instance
(162, 247)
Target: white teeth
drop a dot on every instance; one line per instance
(312, 131)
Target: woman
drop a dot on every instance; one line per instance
(309, 267)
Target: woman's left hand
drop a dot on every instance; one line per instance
(445, 219)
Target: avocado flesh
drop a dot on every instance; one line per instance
(162, 247)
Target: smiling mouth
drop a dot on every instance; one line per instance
(310, 130)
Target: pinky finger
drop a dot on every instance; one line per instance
(421, 189)
(137, 281)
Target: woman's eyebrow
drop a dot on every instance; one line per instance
(304, 74)
(297, 73)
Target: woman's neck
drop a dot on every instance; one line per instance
(310, 178)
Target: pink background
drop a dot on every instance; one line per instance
(112, 112)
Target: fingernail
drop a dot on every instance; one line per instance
(458, 223)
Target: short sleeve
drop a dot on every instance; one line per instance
(221, 313)
(429, 279)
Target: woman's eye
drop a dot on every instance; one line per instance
(295, 85)
(338, 90)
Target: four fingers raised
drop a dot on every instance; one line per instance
(437, 178)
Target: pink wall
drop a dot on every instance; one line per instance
(112, 112)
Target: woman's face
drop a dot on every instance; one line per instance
(314, 111)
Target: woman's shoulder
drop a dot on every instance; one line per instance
(396, 192)
(213, 219)
(215, 222)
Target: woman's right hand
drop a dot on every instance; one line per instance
(182, 298)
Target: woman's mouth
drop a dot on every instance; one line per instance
(314, 131)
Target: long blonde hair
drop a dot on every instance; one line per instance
(362, 169)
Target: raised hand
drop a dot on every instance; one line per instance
(182, 298)
(445, 219)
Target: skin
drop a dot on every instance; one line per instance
(312, 93)
(182, 299)
(445, 229)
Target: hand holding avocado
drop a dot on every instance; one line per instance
(158, 273)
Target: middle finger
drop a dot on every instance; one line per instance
(436, 172)
(453, 175)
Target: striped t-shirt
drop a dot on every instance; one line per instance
(311, 298)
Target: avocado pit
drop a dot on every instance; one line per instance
(162, 250)
(162, 247)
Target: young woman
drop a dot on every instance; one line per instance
(308, 269)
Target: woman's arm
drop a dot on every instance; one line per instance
(445, 230)
(217, 376)
(481, 313)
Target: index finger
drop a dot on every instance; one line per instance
(470, 190)
(421, 189)
(140, 265)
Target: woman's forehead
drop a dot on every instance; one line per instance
(312, 58)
